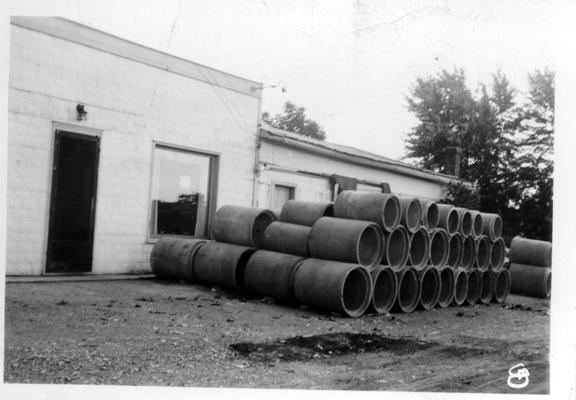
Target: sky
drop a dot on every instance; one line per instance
(349, 63)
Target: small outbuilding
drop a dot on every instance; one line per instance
(292, 166)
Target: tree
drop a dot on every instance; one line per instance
(444, 105)
(294, 119)
(502, 147)
(534, 164)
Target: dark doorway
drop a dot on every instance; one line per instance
(73, 203)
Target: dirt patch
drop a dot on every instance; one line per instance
(303, 348)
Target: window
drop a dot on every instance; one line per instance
(280, 195)
(182, 191)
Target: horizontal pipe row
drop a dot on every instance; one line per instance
(323, 284)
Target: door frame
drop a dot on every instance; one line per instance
(83, 133)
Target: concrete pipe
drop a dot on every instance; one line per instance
(474, 289)
(491, 226)
(502, 285)
(531, 252)
(477, 223)
(411, 213)
(460, 287)
(430, 216)
(487, 278)
(429, 288)
(243, 226)
(333, 286)
(305, 212)
(271, 274)
(530, 281)
(439, 247)
(384, 290)
(419, 248)
(465, 221)
(382, 208)
(359, 242)
(408, 290)
(468, 253)
(446, 293)
(482, 248)
(396, 248)
(448, 218)
(497, 254)
(455, 245)
(171, 258)
(222, 264)
(286, 238)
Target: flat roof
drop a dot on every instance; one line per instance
(81, 34)
(351, 155)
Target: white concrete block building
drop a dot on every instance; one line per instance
(90, 192)
(113, 144)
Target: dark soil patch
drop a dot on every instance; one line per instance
(302, 348)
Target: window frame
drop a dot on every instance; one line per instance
(214, 169)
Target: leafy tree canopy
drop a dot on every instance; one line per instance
(294, 119)
(501, 143)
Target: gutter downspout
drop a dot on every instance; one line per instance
(255, 169)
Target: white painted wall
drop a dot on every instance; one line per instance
(133, 104)
(312, 188)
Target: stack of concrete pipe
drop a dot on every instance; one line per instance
(366, 252)
(531, 267)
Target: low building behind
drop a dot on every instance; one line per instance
(291, 166)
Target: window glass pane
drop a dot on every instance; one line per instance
(180, 192)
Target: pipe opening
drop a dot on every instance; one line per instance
(391, 213)
(396, 248)
(455, 250)
(437, 249)
(370, 246)
(453, 221)
(466, 223)
(460, 288)
(413, 214)
(497, 227)
(502, 286)
(497, 251)
(240, 269)
(432, 216)
(419, 247)
(446, 287)
(385, 288)
(474, 287)
(408, 291)
(477, 224)
(356, 291)
(468, 253)
(260, 224)
(487, 287)
(482, 253)
(430, 287)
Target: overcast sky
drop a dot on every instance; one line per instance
(350, 63)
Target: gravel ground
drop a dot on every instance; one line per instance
(148, 332)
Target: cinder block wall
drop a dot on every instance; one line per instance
(133, 104)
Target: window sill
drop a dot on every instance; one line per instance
(155, 239)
